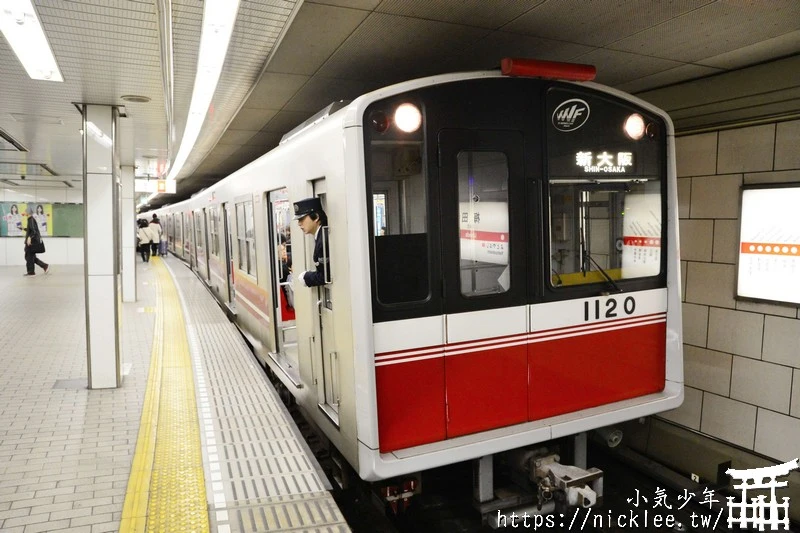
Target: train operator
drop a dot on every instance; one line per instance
(311, 218)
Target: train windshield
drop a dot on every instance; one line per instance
(606, 190)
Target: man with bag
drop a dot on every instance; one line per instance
(33, 246)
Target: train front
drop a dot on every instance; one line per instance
(524, 276)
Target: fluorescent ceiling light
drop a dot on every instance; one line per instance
(22, 30)
(219, 16)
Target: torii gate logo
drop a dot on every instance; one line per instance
(760, 513)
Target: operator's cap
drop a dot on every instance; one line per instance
(307, 206)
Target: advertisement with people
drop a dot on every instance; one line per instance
(14, 218)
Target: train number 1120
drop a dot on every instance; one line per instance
(596, 311)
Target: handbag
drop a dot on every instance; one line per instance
(38, 246)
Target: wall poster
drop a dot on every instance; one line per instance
(54, 220)
(769, 243)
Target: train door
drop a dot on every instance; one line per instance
(227, 231)
(206, 246)
(326, 358)
(194, 234)
(279, 220)
(484, 220)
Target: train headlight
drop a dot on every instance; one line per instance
(408, 117)
(634, 126)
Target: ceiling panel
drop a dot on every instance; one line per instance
(479, 13)
(277, 75)
(374, 51)
(247, 53)
(317, 31)
(265, 139)
(599, 22)
(701, 30)
(730, 85)
(104, 49)
(275, 89)
(285, 120)
(486, 52)
(320, 92)
(252, 119)
(667, 77)
(780, 46)
(237, 137)
(614, 68)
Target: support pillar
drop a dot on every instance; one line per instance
(101, 193)
(128, 235)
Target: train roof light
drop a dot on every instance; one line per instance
(634, 126)
(408, 117)
(515, 66)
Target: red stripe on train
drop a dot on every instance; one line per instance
(496, 342)
(429, 400)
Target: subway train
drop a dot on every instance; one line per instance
(503, 264)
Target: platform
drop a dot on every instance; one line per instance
(195, 439)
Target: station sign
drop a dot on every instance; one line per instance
(154, 186)
(604, 162)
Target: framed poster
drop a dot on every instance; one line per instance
(769, 243)
(53, 220)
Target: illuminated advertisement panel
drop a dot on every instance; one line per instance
(769, 244)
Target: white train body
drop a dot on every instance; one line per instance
(465, 315)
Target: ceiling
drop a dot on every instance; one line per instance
(707, 62)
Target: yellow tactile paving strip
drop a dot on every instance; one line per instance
(166, 490)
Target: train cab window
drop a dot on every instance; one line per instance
(245, 235)
(398, 196)
(606, 191)
(483, 223)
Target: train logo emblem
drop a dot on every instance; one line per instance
(571, 115)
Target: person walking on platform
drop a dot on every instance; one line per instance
(155, 234)
(311, 218)
(145, 239)
(34, 245)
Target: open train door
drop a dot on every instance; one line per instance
(324, 352)
(483, 221)
(279, 220)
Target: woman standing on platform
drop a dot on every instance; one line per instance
(145, 238)
(155, 235)
(33, 245)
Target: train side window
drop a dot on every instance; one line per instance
(199, 231)
(246, 237)
(483, 223)
(213, 218)
(398, 194)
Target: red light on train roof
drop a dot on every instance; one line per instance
(515, 66)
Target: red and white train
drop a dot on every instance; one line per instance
(503, 264)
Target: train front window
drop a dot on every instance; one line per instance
(483, 223)
(605, 191)
(397, 188)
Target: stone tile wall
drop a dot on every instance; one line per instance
(742, 359)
